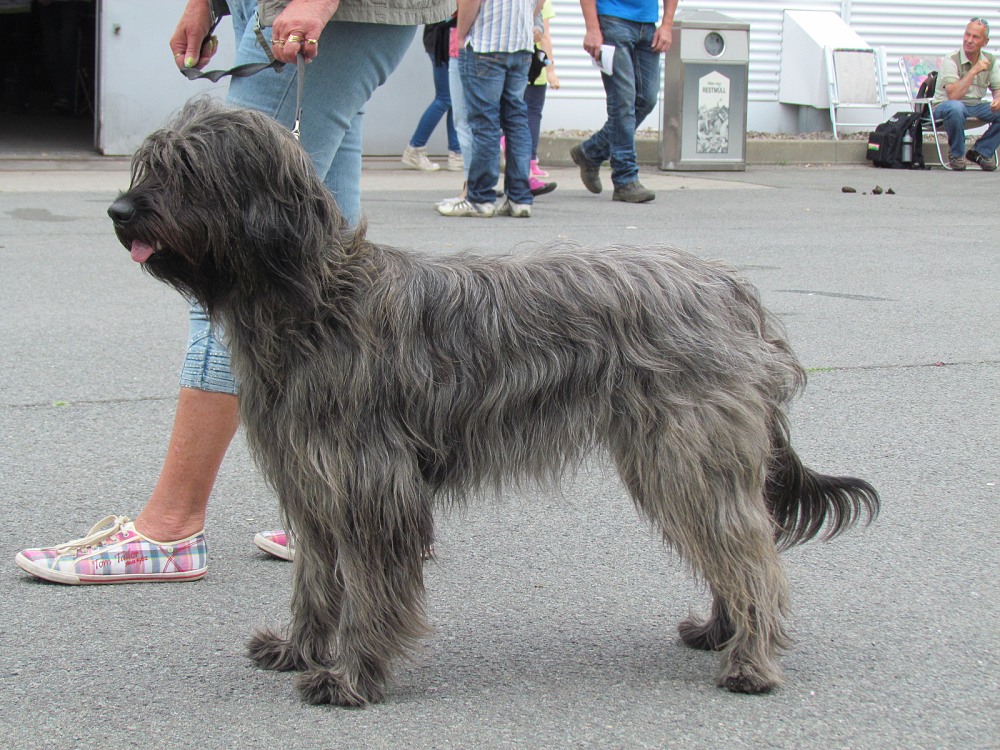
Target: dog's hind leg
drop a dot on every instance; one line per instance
(711, 634)
(722, 529)
(749, 599)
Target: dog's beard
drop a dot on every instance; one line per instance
(161, 253)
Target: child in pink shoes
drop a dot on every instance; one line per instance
(534, 97)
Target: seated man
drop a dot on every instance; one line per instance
(963, 81)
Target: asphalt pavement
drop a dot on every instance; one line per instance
(554, 611)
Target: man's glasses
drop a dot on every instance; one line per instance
(983, 21)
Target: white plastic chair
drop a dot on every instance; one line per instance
(857, 81)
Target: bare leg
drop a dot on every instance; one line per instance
(204, 425)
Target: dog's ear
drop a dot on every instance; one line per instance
(251, 195)
(288, 224)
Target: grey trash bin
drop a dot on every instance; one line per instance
(705, 93)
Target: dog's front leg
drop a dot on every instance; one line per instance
(316, 603)
(381, 547)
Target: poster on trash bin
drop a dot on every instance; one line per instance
(713, 114)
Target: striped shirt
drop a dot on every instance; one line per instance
(503, 26)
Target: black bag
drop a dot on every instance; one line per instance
(928, 86)
(538, 62)
(437, 37)
(218, 8)
(898, 143)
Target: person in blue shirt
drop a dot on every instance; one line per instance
(632, 86)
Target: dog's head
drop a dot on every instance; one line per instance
(222, 200)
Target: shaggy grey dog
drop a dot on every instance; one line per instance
(377, 384)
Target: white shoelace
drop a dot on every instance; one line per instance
(106, 527)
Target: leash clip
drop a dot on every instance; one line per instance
(300, 76)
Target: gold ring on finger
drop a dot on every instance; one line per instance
(294, 39)
(312, 41)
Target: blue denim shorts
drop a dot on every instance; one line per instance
(206, 363)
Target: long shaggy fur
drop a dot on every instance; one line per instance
(377, 384)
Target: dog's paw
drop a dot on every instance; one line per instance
(268, 650)
(707, 635)
(743, 679)
(322, 686)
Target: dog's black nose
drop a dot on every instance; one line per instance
(122, 211)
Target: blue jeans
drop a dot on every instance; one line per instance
(534, 99)
(354, 59)
(632, 89)
(952, 115)
(440, 107)
(494, 84)
(459, 112)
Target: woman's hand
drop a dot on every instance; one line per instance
(186, 42)
(298, 27)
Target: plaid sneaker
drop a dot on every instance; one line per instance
(281, 544)
(276, 543)
(114, 552)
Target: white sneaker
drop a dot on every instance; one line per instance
(417, 159)
(517, 210)
(467, 208)
(455, 162)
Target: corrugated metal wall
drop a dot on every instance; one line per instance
(900, 26)
(917, 27)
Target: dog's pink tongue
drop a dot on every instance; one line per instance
(140, 251)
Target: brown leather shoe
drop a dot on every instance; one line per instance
(633, 192)
(590, 173)
(985, 163)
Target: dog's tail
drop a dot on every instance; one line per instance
(802, 502)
